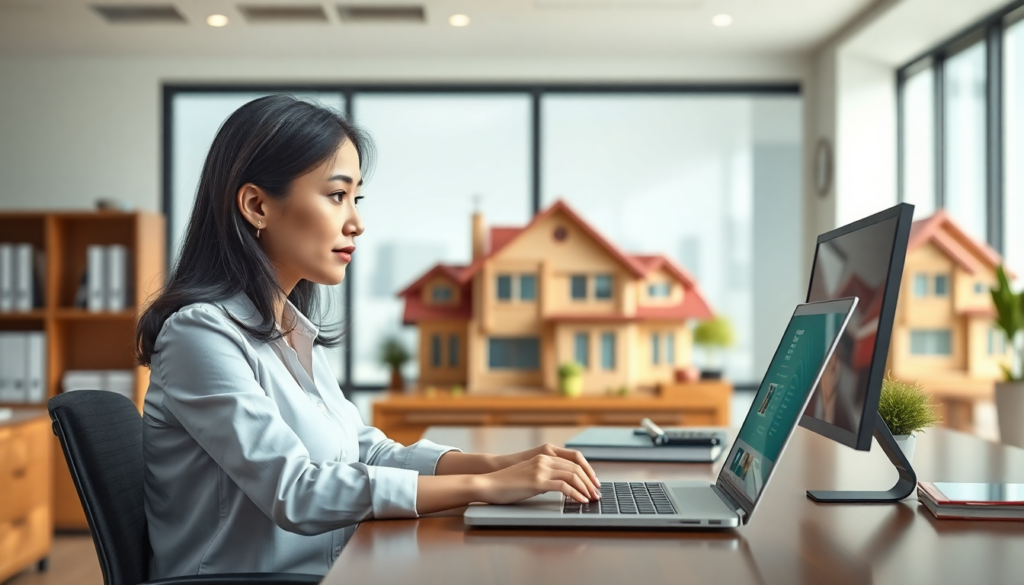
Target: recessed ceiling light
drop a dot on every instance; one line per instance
(217, 20)
(721, 20)
(458, 20)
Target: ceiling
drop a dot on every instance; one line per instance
(499, 28)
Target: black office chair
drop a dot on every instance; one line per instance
(101, 435)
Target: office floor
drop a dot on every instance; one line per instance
(73, 560)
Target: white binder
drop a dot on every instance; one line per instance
(24, 275)
(6, 277)
(14, 363)
(96, 278)
(117, 277)
(35, 372)
(6, 384)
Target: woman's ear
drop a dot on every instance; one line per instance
(252, 203)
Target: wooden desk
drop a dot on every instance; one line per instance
(790, 539)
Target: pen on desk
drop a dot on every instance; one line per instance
(654, 431)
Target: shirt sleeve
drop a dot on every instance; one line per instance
(422, 456)
(210, 388)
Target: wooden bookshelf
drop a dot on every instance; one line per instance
(78, 339)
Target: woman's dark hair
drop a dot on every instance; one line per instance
(268, 142)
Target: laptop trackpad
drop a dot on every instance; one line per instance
(701, 501)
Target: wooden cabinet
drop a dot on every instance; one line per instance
(406, 417)
(26, 525)
(77, 339)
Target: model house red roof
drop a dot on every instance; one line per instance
(941, 230)
(693, 305)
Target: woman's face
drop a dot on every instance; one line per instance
(310, 233)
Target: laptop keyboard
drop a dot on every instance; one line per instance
(622, 497)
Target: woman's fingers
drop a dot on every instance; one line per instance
(555, 485)
(578, 458)
(576, 470)
(576, 481)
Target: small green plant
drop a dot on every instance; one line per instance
(905, 408)
(570, 369)
(623, 390)
(393, 353)
(1010, 318)
(713, 335)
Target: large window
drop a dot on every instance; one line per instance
(700, 166)
(962, 131)
(1013, 83)
(513, 353)
(933, 342)
(965, 133)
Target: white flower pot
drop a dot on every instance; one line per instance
(906, 444)
(1010, 409)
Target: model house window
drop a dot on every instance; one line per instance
(979, 287)
(504, 287)
(581, 349)
(453, 351)
(441, 294)
(608, 351)
(435, 351)
(527, 287)
(655, 349)
(513, 353)
(670, 349)
(578, 287)
(931, 342)
(941, 285)
(996, 342)
(659, 290)
(603, 286)
(920, 285)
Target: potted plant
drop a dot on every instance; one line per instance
(570, 379)
(1010, 393)
(906, 410)
(394, 355)
(713, 335)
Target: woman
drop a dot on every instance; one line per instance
(255, 460)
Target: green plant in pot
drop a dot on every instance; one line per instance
(570, 379)
(906, 410)
(394, 355)
(714, 335)
(1009, 307)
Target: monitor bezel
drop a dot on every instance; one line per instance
(904, 215)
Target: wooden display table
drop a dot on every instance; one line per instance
(405, 417)
(26, 522)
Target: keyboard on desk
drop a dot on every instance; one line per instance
(622, 497)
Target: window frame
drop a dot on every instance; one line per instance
(573, 279)
(536, 89)
(523, 277)
(990, 31)
(611, 287)
(584, 337)
(497, 288)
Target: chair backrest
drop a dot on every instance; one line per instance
(101, 435)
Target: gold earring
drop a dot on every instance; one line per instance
(259, 225)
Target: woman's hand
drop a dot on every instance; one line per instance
(503, 461)
(539, 474)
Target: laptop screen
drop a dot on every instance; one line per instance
(792, 374)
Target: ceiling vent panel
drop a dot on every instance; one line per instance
(375, 14)
(139, 13)
(283, 14)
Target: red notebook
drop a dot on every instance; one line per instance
(973, 501)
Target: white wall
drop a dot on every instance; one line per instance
(74, 129)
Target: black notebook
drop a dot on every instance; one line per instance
(623, 444)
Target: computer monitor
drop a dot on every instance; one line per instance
(862, 259)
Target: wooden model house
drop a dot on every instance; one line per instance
(944, 334)
(552, 292)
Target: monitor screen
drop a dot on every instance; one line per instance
(776, 409)
(857, 261)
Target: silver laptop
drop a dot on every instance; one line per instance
(810, 338)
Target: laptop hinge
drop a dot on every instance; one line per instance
(729, 501)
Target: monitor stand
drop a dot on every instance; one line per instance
(904, 485)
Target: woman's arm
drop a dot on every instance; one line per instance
(456, 462)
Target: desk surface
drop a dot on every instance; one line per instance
(790, 539)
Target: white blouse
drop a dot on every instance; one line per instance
(255, 460)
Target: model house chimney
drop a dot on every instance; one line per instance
(479, 236)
